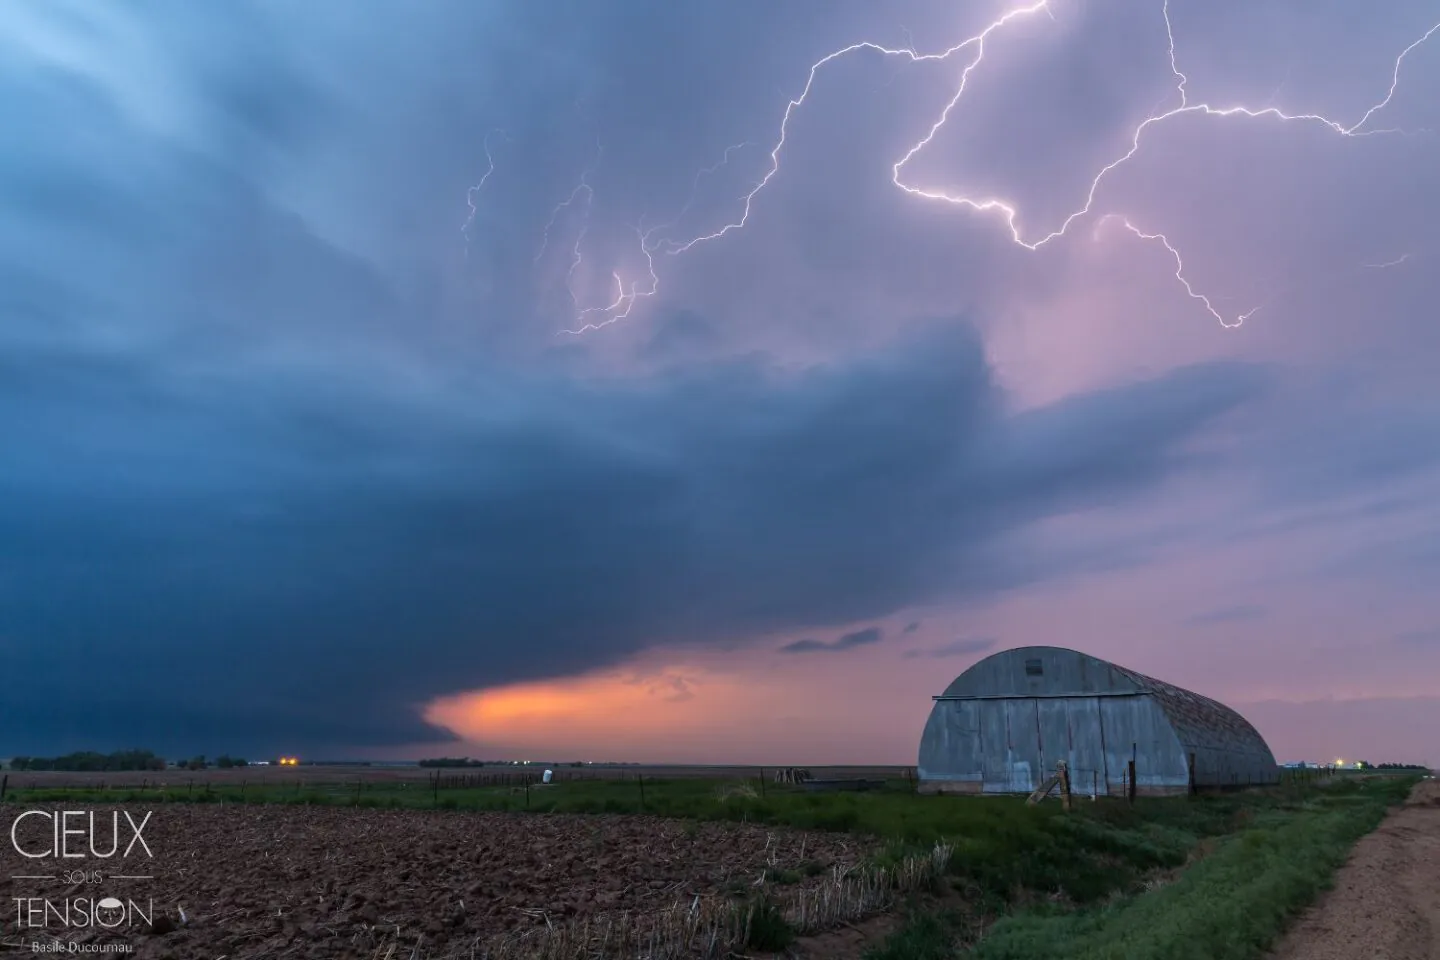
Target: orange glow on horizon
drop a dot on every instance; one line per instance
(710, 707)
(586, 709)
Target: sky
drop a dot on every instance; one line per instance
(638, 381)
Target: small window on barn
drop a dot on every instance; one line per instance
(1034, 668)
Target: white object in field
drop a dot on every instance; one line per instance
(547, 776)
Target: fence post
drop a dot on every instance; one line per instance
(1192, 774)
(640, 779)
(4, 782)
(1130, 778)
(762, 783)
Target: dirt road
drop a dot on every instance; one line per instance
(1386, 900)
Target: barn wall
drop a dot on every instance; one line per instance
(1136, 726)
(1002, 724)
(950, 746)
(1010, 745)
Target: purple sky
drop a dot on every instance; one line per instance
(301, 458)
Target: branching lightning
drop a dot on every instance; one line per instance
(472, 192)
(619, 308)
(581, 188)
(973, 50)
(1011, 213)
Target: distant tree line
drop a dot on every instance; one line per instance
(120, 760)
(467, 762)
(1400, 766)
(86, 760)
(224, 762)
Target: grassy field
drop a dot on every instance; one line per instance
(1241, 867)
(1208, 876)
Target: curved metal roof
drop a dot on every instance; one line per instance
(1197, 720)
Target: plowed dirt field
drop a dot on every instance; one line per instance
(332, 882)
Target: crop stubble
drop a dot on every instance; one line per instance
(332, 882)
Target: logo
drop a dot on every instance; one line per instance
(93, 856)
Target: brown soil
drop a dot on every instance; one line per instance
(332, 882)
(1386, 901)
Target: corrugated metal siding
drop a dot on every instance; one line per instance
(1228, 750)
(1002, 729)
(1136, 727)
(1023, 770)
(1087, 744)
(1072, 675)
(957, 749)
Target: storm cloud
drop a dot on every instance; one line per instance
(252, 552)
(294, 441)
(846, 641)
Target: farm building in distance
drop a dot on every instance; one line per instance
(1002, 725)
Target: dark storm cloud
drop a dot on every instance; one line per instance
(1240, 613)
(266, 480)
(1329, 438)
(847, 641)
(955, 648)
(249, 556)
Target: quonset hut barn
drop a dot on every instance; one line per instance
(1001, 726)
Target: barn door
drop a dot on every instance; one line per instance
(1023, 759)
(1055, 742)
(1087, 745)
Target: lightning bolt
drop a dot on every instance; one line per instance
(583, 187)
(1404, 257)
(1007, 211)
(619, 308)
(1190, 291)
(701, 175)
(471, 193)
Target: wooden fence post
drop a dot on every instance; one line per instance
(640, 779)
(1130, 785)
(1191, 771)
